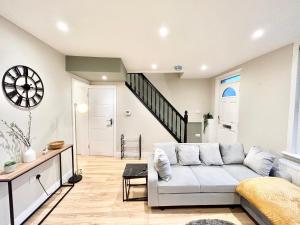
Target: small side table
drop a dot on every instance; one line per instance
(134, 171)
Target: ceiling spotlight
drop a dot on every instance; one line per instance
(178, 67)
(104, 77)
(62, 26)
(204, 67)
(154, 66)
(258, 33)
(163, 31)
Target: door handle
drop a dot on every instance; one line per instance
(110, 122)
(227, 126)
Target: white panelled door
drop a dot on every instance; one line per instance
(228, 112)
(101, 120)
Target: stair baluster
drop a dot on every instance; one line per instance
(158, 105)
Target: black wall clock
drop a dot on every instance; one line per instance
(23, 86)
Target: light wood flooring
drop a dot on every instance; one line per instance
(97, 199)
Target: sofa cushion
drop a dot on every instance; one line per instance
(240, 172)
(259, 161)
(183, 181)
(232, 153)
(188, 154)
(162, 165)
(210, 154)
(214, 179)
(170, 150)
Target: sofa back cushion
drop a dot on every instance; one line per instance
(188, 154)
(259, 161)
(210, 154)
(162, 165)
(232, 153)
(170, 150)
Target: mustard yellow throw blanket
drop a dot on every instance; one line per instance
(276, 198)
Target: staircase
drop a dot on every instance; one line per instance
(159, 106)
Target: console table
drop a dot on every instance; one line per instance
(23, 168)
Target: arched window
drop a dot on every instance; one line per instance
(229, 92)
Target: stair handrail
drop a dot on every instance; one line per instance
(160, 94)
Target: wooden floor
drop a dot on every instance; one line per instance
(97, 199)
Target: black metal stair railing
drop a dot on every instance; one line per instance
(158, 105)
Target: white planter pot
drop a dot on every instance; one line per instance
(29, 155)
(209, 135)
(10, 169)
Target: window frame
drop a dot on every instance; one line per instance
(293, 150)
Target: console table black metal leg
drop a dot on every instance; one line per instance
(73, 170)
(60, 170)
(11, 203)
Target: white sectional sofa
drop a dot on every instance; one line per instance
(196, 184)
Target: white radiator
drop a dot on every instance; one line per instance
(292, 168)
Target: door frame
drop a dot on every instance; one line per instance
(217, 96)
(114, 87)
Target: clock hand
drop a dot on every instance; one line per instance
(26, 83)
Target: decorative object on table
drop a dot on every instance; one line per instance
(81, 108)
(12, 148)
(210, 222)
(55, 145)
(23, 86)
(10, 166)
(16, 133)
(206, 118)
(45, 151)
(134, 171)
(125, 145)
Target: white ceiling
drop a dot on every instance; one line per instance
(212, 32)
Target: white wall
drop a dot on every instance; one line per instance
(264, 100)
(52, 119)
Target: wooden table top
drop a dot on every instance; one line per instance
(25, 167)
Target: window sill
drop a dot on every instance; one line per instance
(291, 156)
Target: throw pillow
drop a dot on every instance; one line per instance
(162, 165)
(170, 150)
(188, 155)
(232, 154)
(210, 154)
(259, 161)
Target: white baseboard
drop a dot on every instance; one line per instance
(41, 199)
(133, 154)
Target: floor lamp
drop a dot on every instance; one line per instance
(80, 108)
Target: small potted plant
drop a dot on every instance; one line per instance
(10, 166)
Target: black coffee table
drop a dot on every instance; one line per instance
(134, 171)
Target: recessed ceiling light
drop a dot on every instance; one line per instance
(104, 77)
(204, 67)
(62, 26)
(163, 31)
(154, 66)
(258, 33)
